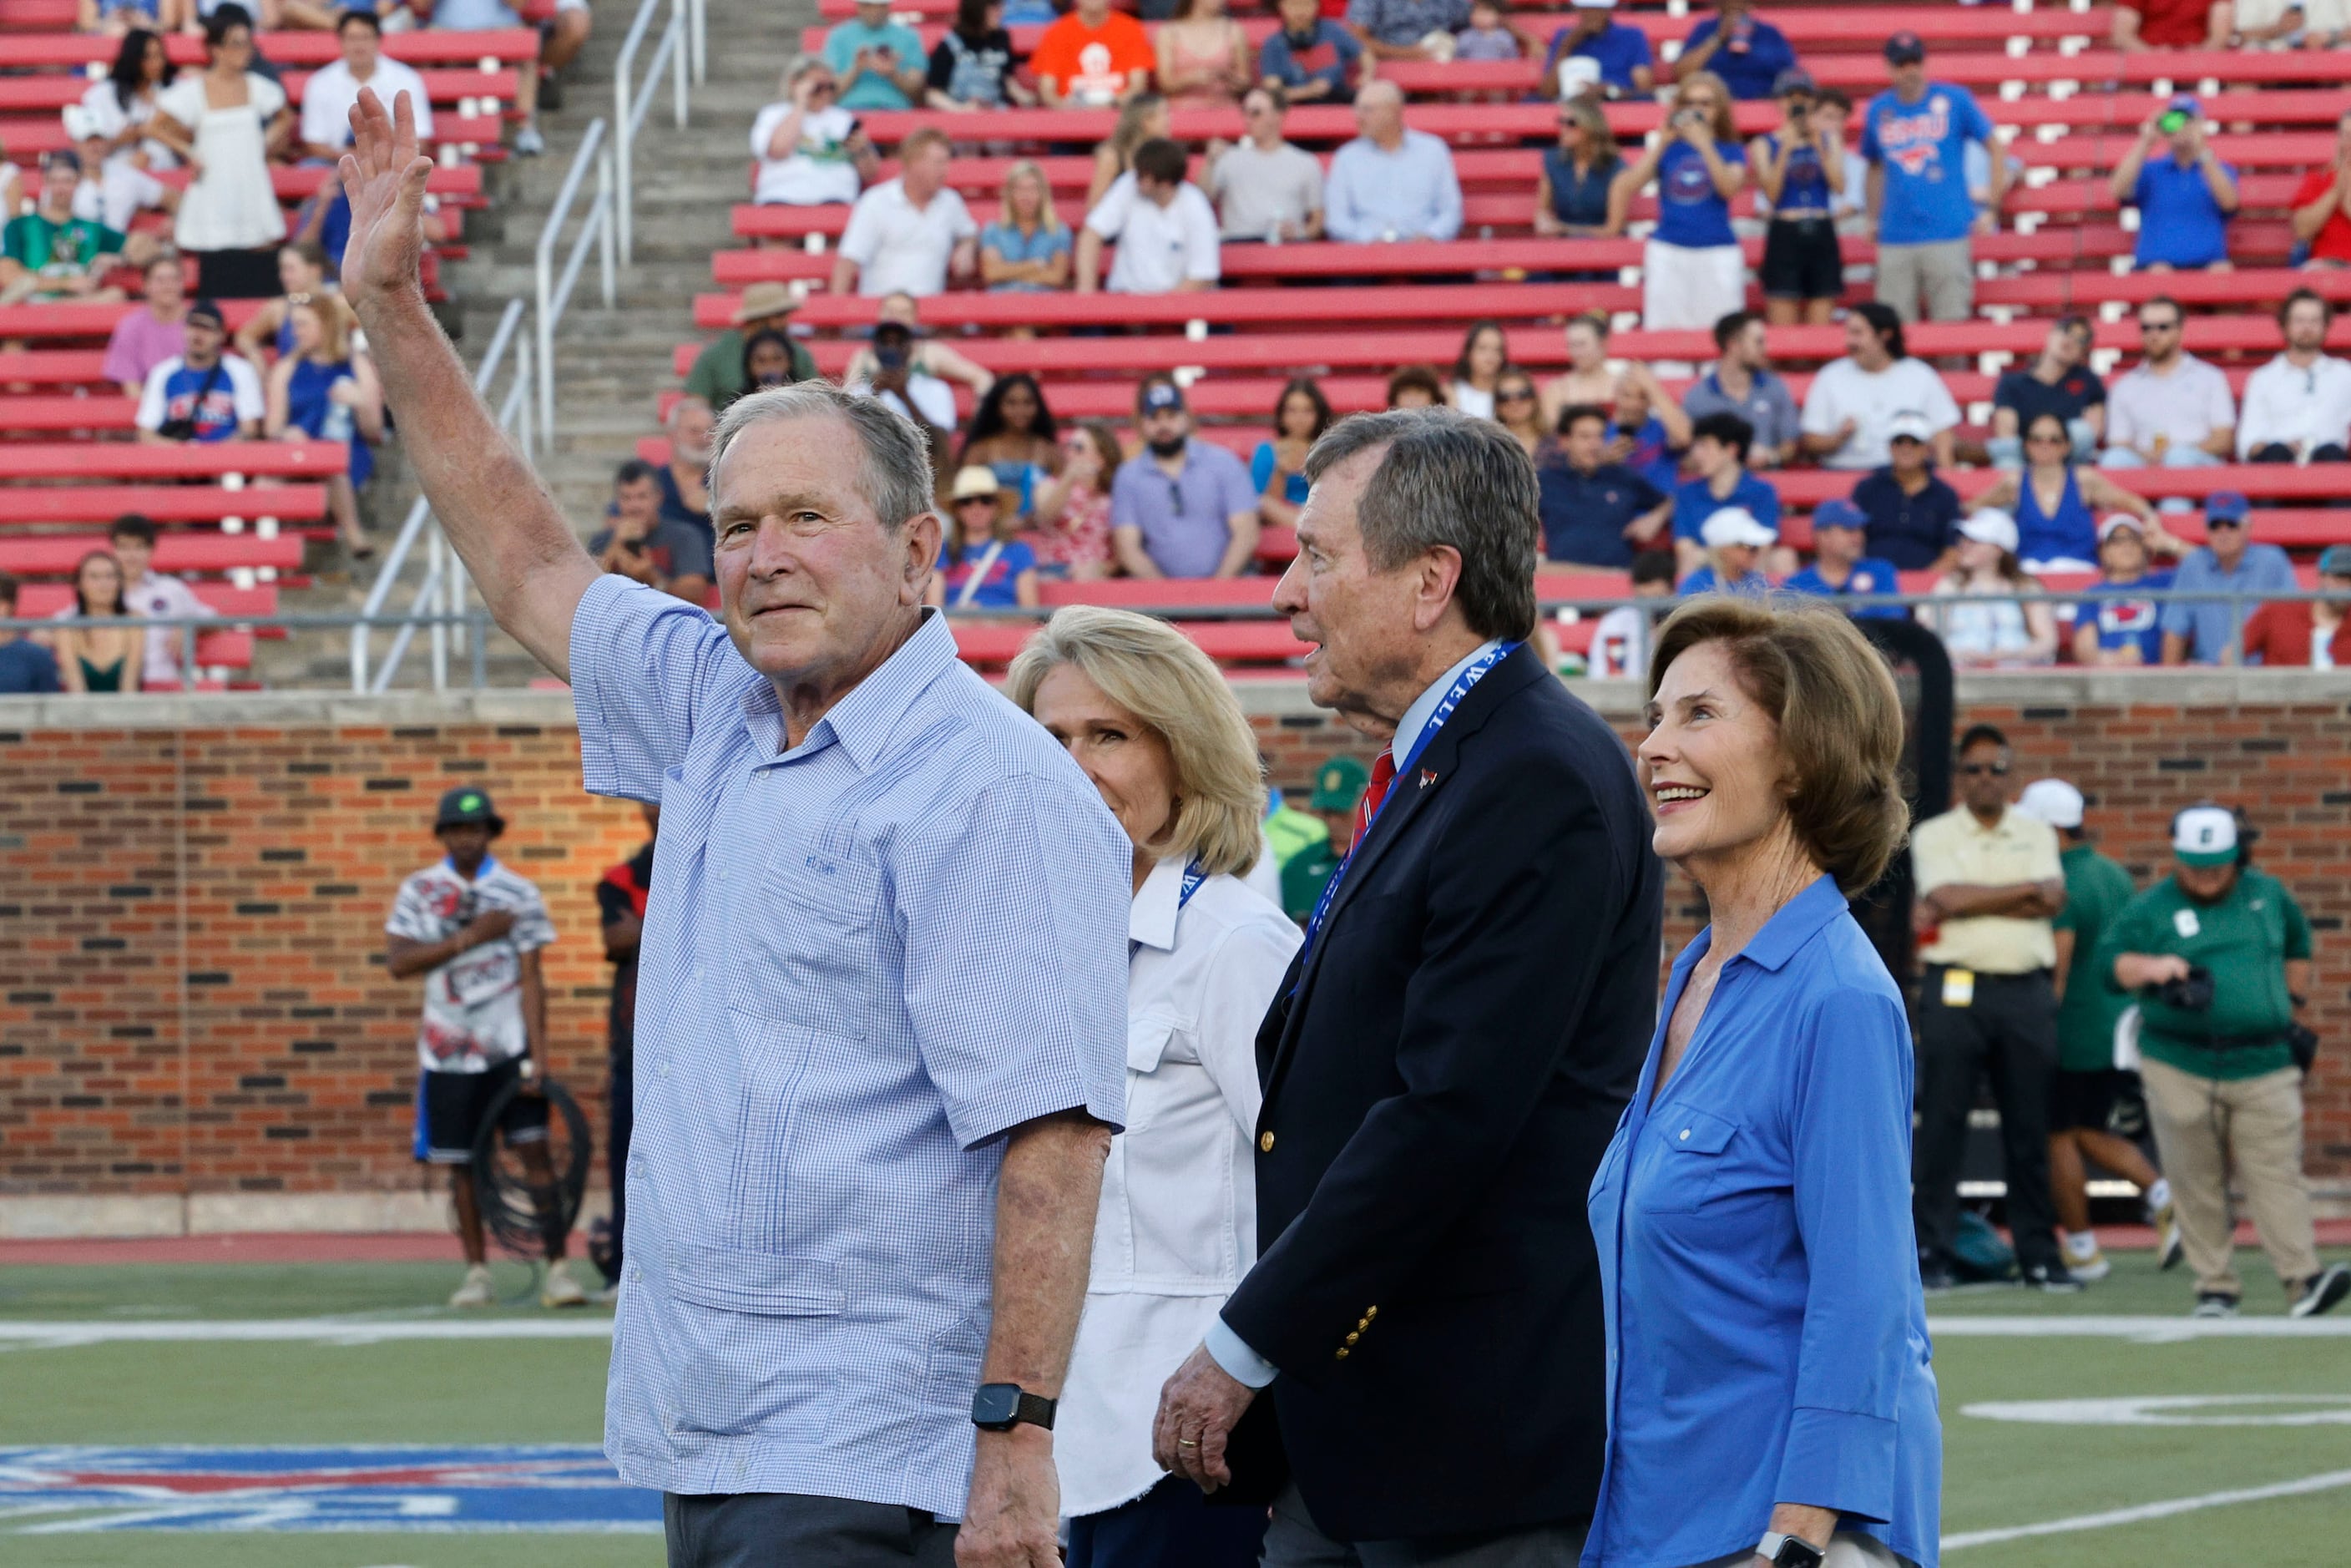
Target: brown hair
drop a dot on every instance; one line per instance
(1423, 377)
(1839, 717)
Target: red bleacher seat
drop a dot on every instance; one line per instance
(190, 460)
(30, 504)
(223, 598)
(177, 550)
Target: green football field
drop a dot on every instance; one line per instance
(2094, 1431)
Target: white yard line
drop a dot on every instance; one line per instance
(2146, 1328)
(2146, 1510)
(36, 1335)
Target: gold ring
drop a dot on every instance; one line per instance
(1186, 1443)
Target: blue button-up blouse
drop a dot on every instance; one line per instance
(1767, 1335)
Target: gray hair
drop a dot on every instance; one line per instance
(1448, 479)
(897, 481)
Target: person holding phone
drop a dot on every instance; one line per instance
(2185, 197)
(881, 63)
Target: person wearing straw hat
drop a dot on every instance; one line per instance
(981, 565)
(718, 374)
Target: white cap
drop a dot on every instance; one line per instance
(1578, 74)
(2053, 802)
(1910, 422)
(80, 125)
(2116, 521)
(2205, 835)
(1735, 526)
(1992, 527)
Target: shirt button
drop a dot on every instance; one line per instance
(637, 1272)
(664, 1070)
(1686, 1132)
(1265, 1142)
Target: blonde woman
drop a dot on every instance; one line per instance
(1154, 726)
(1693, 272)
(1027, 249)
(1141, 119)
(319, 387)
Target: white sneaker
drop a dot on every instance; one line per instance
(2087, 1267)
(559, 1288)
(528, 143)
(477, 1291)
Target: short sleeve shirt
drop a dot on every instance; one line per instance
(1957, 848)
(57, 250)
(2030, 397)
(818, 168)
(1329, 53)
(1184, 522)
(2171, 23)
(1403, 22)
(1843, 390)
(1751, 61)
(678, 548)
(1690, 212)
(1694, 502)
(473, 1004)
(870, 88)
(2333, 241)
(1091, 65)
(1619, 51)
(218, 404)
(2179, 224)
(2096, 890)
(2245, 940)
(1040, 244)
(2125, 616)
(899, 248)
(1768, 407)
(1584, 515)
(1922, 147)
(1158, 247)
(1254, 190)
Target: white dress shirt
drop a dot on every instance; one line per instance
(1177, 1225)
(1158, 247)
(332, 89)
(2301, 407)
(901, 248)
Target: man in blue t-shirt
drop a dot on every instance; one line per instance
(1839, 566)
(881, 63)
(1914, 136)
(1747, 53)
(26, 668)
(1313, 58)
(1622, 53)
(1717, 457)
(2117, 624)
(2185, 194)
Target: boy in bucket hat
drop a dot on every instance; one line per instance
(473, 930)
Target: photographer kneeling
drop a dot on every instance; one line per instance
(2219, 955)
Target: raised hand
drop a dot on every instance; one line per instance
(384, 175)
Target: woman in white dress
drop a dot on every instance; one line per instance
(224, 121)
(1157, 729)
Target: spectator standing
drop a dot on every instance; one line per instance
(1182, 508)
(1310, 56)
(1914, 515)
(1799, 173)
(1204, 57)
(1277, 467)
(2322, 206)
(1842, 565)
(2305, 633)
(144, 339)
(622, 894)
(1575, 191)
(106, 658)
(1983, 624)
(684, 479)
(1478, 369)
(1734, 540)
(983, 564)
(2224, 1085)
(1915, 135)
(2185, 197)
(1072, 508)
(909, 235)
(2096, 1109)
(224, 121)
(2204, 632)
(1330, 831)
(2297, 407)
(881, 62)
(1693, 272)
(2056, 504)
(717, 375)
(1854, 402)
(1597, 512)
(811, 151)
(1141, 119)
(322, 388)
(1990, 882)
(328, 96)
(27, 669)
(1626, 66)
(1012, 435)
(201, 394)
(972, 66)
(1519, 409)
(638, 543)
(1743, 382)
(1027, 249)
(2118, 623)
(474, 931)
(49, 254)
(1718, 467)
(2142, 24)
(1092, 58)
(2059, 381)
(1406, 29)
(2171, 410)
(1747, 52)
(1391, 182)
(1264, 188)
(1165, 230)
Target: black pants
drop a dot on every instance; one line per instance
(2278, 452)
(620, 1111)
(1170, 1526)
(783, 1530)
(2009, 1031)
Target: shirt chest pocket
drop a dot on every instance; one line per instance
(1691, 1153)
(808, 942)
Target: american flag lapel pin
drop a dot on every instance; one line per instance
(1427, 778)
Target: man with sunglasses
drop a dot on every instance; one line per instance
(1989, 881)
(2171, 410)
(1180, 507)
(2205, 631)
(2059, 381)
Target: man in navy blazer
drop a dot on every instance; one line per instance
(1448, 1057)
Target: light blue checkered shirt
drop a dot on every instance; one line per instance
(865, 959)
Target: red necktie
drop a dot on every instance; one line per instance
(1382, 774)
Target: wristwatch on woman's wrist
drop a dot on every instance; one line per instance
(1789, 1552)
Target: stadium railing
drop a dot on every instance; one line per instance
(553, 290)
(674, 51)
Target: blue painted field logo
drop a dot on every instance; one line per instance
(71, 1489)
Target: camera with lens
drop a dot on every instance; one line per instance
(2191, 993)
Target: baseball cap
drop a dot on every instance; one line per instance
(1904, 48)
(2053, 802)
(1795, 78)
(2335, 560)
(977, 480)
(205, 310)
(466, 805)
(1340, 784)
(2186, 103)
(1991, 527)
(1162, 395)
(1910, 424)
(2116, 522)
(62, 157)
(2228, 504)
(1838, 513)
(2205, 836)
(1735, 526)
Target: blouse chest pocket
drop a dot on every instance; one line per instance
(811, 943)
(1691, 1151)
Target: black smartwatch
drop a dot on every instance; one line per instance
(1789, 1552)
(1001, 1407)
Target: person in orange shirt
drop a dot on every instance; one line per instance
(1093, 58)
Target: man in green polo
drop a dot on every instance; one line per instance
(1338, 786)
(2219, 955)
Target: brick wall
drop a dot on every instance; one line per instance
(192, 999)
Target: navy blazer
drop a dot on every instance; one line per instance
(1443, 1072)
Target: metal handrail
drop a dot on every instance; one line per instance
(414, 526)
(595, 227)
(631, 102)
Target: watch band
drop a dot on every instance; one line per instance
(1001, 1407)
(1789, 1551)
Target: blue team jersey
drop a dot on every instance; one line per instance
(1923, 148)
(2124, 615)
(1869, 575)
(1694, 502)
(1690, 212)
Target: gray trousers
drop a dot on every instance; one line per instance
(1943, 273)
(782, 1529)
(1293, 1541)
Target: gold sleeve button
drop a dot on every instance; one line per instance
(1265, 1142)
(1340, 1352)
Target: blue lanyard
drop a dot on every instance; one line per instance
(1193, 877)
(1444, 711)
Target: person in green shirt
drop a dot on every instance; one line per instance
(881, 64)
(2219, 955)
(1338, 788)
(718, 374)
(48, 253)
(2095, 1111)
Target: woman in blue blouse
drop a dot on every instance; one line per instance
(1770, 1388)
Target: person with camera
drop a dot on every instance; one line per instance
(1693, 272)
(2185, 195)
(2219, 956)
